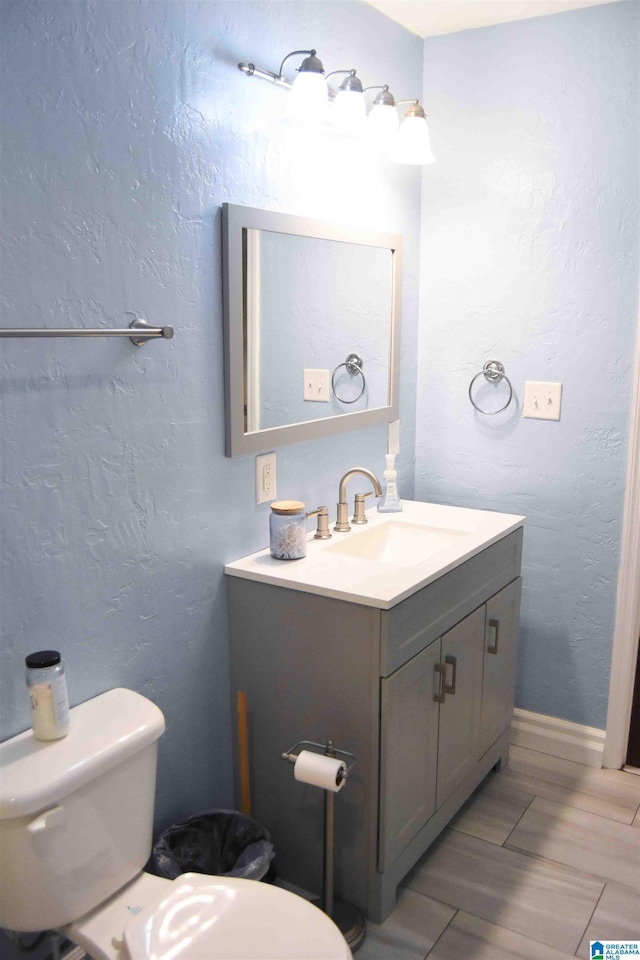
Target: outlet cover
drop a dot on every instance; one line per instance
(265, 477)
(542, 400)
(316, 385)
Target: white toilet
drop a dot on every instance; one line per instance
(75, 832)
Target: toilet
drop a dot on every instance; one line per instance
(76, 820)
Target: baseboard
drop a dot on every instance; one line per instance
(559, 738)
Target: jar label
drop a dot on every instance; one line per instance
(49, 708)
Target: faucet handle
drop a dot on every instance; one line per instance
(322, 531)
(358, 514)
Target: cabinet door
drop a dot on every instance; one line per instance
(408, 752)
(500, 648)
(462, 649)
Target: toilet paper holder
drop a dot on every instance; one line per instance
(347, 917)
(328, 749)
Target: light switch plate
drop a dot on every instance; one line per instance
(316, 385)
(542, 400)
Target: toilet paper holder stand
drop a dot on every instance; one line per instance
(347, 917)
(328, 749)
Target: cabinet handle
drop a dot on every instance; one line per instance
(440, 669)
(496, 626)
(454, 663)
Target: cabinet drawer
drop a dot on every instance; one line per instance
(419, 620)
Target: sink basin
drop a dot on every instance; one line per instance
(399, 543)
(386, 560)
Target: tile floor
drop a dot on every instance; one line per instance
(544, 857)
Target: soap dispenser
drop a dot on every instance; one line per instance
(390, 502)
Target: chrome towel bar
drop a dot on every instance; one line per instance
(143, 331)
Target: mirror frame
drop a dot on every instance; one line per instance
(235, 220)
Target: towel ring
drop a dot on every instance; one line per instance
(354, 365)
(493, 371)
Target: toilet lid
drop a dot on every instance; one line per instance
(226, 918)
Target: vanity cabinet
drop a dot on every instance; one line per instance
(421, 693)
(440, 713)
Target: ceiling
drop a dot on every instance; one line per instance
(427, 18)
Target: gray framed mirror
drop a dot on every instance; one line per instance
(312, 328)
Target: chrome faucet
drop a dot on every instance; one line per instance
(342, 519)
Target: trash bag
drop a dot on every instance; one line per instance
(221, 843)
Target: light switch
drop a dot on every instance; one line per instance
(316, 385)
(542, 400)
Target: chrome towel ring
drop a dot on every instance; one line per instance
(493, 371)
(353, 365)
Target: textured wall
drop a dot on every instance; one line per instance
(530, 255)
(125, 125)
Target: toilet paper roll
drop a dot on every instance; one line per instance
(320, 771)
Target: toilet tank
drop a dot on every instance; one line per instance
(76, 815)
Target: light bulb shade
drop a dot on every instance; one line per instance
(309, 98)
(413, 144)
(348, 110)
(383, 124)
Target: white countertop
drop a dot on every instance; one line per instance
(455, 533)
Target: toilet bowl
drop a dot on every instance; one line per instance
(198, 917)
(75, 832)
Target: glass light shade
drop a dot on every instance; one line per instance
(383, 124)
(348, 110)
(309, 98)
(413, 144)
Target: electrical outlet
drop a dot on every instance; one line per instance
(542, 400)
(265, 477)
(316, 385)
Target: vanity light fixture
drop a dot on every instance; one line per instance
(383, 121)
(414, 143)
(407, 142)
(309, 99)
(349, 109)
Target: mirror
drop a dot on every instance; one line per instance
(312, 314)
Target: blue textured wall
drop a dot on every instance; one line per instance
(125, 125)
(530, 256)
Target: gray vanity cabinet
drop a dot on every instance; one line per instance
(440, 713)
(409, 752)
(429, 707)
(499, 671)
(460, 708)
(421, 693)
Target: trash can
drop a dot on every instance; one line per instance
(221, 843)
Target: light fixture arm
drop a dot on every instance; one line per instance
(251, 70)
(311, 64)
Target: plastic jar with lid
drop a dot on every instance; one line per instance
(47, 687)
(288, 530)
